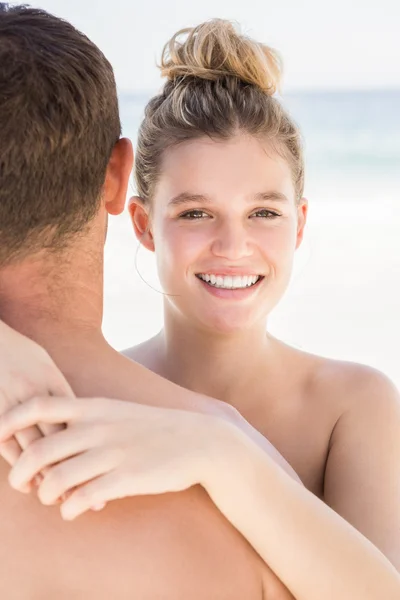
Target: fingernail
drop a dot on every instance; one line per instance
(99, 506)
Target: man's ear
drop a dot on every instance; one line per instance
(302, 212)
(141, 222)
(117, 176)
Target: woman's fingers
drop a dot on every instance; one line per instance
(12, 447)
(51, 383)
(45, 410)
(23, 439)
(76, 471)
(49, 428)
(26, 436)
(10, 451)
(48, 451)
(95, 493)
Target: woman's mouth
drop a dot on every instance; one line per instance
(230, 287)
(229, 282)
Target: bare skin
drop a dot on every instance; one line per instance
(168, 546)
(221, 349)
(297, 414)
(176, 545)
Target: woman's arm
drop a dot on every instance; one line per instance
(313, 550)
(362, 476)
(316, 552)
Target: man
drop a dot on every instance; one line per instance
(63, 170)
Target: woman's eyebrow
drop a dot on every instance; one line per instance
(186, 198)
(275, 196)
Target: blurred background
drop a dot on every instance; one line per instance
(342, 86)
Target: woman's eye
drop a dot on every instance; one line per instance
(265, 213)
(193, 214)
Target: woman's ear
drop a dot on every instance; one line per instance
(302, 211)
(141, 222)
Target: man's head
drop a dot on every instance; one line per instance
(59, 126)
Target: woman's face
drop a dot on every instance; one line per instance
(224, 226)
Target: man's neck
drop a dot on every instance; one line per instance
(58, 304)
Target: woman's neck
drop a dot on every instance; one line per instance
(224, 366)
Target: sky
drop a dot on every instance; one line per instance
(324, 45)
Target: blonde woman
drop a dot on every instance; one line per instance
(219, 171)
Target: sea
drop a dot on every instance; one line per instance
(344, 298)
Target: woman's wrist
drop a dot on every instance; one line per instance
(245, 443)
(230, 456)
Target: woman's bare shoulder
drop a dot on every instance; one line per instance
(339, 382)
(144, 353)
(349, 384)
(138, 352)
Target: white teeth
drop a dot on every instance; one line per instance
(237, 281)
(229, 282)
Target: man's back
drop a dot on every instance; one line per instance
(171, 546)
(175, 546)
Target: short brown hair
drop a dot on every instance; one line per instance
(59, 122)
(219, 83)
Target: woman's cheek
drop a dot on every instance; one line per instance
(189, 243)
(179, 250)
(279, 241)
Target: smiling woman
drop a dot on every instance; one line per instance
(220, 175)
(219, 168)
(222, 225)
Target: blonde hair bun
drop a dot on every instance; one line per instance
(216, 49)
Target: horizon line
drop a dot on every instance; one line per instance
(289, 90)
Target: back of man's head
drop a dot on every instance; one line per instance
(59, 122)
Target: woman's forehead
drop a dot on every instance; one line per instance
(203, 165)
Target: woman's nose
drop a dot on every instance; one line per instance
(232, 241)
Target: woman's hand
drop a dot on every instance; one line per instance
(26, 370)
(112, 449)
